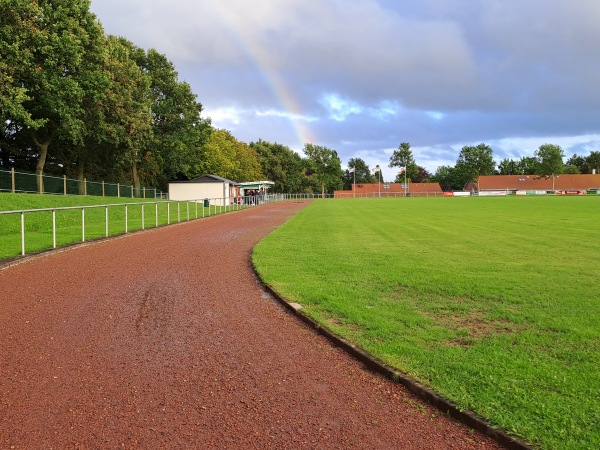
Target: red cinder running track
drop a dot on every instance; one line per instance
(165, 339)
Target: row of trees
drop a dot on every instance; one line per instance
(473, 162)
(77, 102)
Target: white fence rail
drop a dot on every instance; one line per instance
(146, 214)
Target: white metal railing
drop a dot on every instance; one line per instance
(189, 209)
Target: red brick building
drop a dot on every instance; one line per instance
(391, 190)
(515, 184)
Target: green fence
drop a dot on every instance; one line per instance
(25, 182)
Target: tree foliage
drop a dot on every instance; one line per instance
(325, 167)
(362, 174)
(403, 159)
(281, 165)
(229, 158)
(474, 161)
(549, 159)
(592, 163)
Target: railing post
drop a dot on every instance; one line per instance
(118, 190)
(102, 188)
(178, 212)
(126, 219)
(156, 211)
(12, 179)
(53, 228)
(82, 224)
(106, 217)
(168, 213)
(142, 216)
(22, 233)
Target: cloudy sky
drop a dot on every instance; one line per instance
(362, 76)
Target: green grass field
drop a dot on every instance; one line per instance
(38, 225)
(493, 302)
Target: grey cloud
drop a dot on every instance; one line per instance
(495, 69)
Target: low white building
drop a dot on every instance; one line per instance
(217, 190)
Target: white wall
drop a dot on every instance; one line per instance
(200, 191)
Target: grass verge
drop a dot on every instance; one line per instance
(493, 302)
(38, 225)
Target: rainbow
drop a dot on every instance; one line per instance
(276, 83)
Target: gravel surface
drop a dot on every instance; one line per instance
(165, 339)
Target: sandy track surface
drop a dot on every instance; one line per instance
(165, 339)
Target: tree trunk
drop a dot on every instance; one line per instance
(39, 170)
(323, 190)
(80, 166)
(136, 178)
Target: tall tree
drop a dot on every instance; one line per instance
(63, 69)
(528, 165)
(474, 161)
(592, 163)
(229, 158)
(577, 161)
(404, 160)
(281, 165)
(325, 166)
(509, 167)
(549, 159)
(179, 132)
(448, 178)
(361, 173)
(422, 177)
(18, 27)
(128, 107)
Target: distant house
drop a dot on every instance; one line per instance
(523, 184)
(218, 190)
(391, 190)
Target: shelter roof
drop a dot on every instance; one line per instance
(256, 184)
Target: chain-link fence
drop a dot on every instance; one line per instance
(25, 182)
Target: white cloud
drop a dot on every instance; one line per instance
(436, 73)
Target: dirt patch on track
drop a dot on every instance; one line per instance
(165, 339)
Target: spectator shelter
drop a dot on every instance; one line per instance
(220, 191)
(391, 190)
(255, 187)
(536, 184)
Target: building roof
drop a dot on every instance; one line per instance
(207, 178)
(537, 182)
(397, 187)
(390, 189)
(256, 184)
